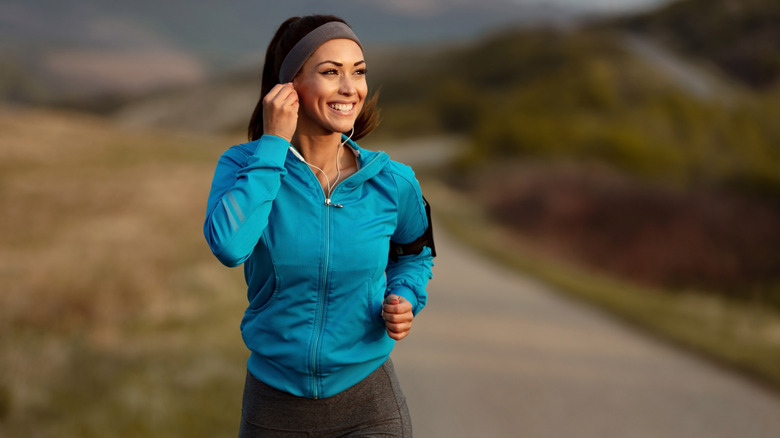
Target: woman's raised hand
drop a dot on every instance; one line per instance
(280, 111)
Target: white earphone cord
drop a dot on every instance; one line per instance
(338, 171)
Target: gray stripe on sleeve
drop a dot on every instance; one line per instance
(232, 220)
(236, 207)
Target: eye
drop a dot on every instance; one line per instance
(361, 71)
(329, 72)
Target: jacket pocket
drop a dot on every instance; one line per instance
(265, 295)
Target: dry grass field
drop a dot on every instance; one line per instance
(115, 317)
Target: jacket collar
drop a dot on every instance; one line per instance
(370, 163)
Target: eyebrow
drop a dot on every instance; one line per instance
(339, 64)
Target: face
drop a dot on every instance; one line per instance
(331, 88)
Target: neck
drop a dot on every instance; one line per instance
(319, 150)
(322, 153)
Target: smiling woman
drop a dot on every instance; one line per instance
(331, 88)
(289, 33)
(312, 216)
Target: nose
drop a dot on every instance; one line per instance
(347, 86)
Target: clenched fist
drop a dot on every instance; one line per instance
(398, 316)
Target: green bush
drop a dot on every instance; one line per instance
(581, 96)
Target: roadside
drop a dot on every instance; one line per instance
(743, 336)
(498, 354)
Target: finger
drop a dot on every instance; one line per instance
(403, 307)
(393, 299)
(398, 331)
(289, 95)
(396, 303)
(398, 328)
(398, 314)
(273, 92)
(280, 94)
(396, 336)
(398, 318)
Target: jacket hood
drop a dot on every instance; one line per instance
(370, 163)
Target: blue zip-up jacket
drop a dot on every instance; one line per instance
(316, 274)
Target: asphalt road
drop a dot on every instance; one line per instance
(496, 354)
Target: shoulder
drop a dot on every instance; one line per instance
(403, 176)
(387, 172)
(239, 156)
(239, 152)
(411, 205)
(398, 168)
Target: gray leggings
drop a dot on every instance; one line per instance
(375, 407)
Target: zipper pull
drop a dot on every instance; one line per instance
(328, 203)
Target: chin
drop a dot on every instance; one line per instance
(343, 127)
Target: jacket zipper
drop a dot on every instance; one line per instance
(319, 318)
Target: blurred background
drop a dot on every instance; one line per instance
(632, 140)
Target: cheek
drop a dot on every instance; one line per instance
(363, 92)
(307, 96)
(306, 87)
(362, 88)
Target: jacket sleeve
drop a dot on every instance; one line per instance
(409, 276)
(245, 184)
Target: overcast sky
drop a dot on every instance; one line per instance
(599, 5)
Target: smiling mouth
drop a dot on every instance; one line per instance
(343, 107)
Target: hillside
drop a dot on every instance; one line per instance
(513, 93)
(741, 37)
(596, 155)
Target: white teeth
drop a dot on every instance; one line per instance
(342, 106)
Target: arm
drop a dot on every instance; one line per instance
(242, 193)
(408, 276)
(244, 186)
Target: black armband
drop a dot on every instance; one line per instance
(416, 247)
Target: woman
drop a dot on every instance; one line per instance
(311, 216)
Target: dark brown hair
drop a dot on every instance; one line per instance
(288, 34)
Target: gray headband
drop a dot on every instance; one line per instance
(304, 48)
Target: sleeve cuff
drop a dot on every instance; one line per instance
(272, 149)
